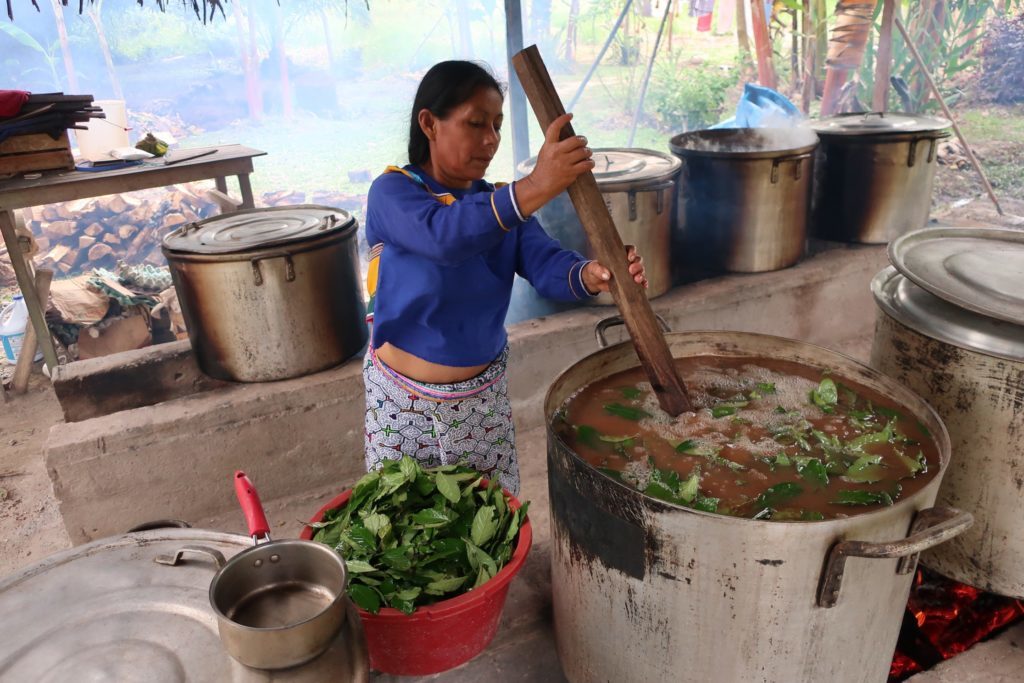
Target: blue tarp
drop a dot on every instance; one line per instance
(761, 107)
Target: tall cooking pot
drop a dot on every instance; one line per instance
(960, 345)
(269, 294)
(874, 175)
(107, 611)
(744, 197)
(649, 591)
(638, 186)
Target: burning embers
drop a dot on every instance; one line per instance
(944, 618)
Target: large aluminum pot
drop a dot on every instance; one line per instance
(970, 368)
(874, 175)
(744, 197)
(269, 294)
(638, 187)
(648, 591)
(106, 611)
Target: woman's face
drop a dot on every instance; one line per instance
(463, 143)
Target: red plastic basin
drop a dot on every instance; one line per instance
(441, 636)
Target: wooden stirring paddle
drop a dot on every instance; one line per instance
(650, 344)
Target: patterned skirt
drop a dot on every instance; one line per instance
(467, 422)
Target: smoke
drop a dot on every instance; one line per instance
(744, 140)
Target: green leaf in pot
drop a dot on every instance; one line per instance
(626, 412)
(689, 490)
(866, 469)
(826, 396)
(812, 470)
(858, 497)
(779, 494)
(631, 393)
(588, 436)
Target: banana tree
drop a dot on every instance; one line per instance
(23, 38)
(854, 19)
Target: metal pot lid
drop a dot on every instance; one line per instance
(980, 269)
(878, 123)
(106, 611)
(253, 229)
(625, 166)
(929, 315)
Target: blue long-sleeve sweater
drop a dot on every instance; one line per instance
(444, 278)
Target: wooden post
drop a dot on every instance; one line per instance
(27, 286)
(650, 344)
(810, 59)
(23, 368)
(763, 45)
(883, 58)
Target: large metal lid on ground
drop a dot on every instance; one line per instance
(745, 143)
(253, 229)
(618, 169)
(106, 611)
(878, 123)
(980, 269)
(929, 315)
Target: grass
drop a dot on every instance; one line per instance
(997, 134)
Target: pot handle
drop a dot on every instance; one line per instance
(615, 320)
(289, 266)
(251, 506)
(173, 560)
(798, 171)
(930, 528)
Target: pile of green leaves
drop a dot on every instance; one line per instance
(412, 536)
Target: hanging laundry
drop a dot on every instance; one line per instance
(700, 8)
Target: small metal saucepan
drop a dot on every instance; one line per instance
(280, 603)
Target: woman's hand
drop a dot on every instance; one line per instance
(597, 278)
(559, 163)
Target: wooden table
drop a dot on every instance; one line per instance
(64, 186)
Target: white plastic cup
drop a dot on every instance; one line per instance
(103, 135)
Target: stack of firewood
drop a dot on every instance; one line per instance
(78, 236)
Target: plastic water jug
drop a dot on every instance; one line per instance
(103, 135)
(13, 320)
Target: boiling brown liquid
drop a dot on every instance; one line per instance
(281, 605)
(752, 440)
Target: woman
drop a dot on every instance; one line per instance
(445, 247)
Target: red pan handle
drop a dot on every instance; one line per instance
(251, 506)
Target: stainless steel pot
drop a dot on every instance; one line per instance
(970, 368)
(874, 175)
(744, 198)
(280, 603)
(638, 186)
(106, 611)
(269, 294)
(646, 591)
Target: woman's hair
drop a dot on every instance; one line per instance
(445, 86)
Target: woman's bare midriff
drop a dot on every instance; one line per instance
(416, 368)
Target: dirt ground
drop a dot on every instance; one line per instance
(30, 526)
